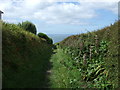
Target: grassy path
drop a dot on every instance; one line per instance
(60, 75)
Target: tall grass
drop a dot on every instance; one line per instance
(25, 58)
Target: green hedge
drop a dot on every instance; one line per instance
(25, 58)
(28, 26)
(49, 40)
(105, 55)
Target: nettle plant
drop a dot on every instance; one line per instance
(89, 62)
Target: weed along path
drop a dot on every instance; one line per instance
(69, 69)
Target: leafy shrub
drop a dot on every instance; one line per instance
(42, 35)
(101, 68)
(71, 60)
(28, 26)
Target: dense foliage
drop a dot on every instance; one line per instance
(28, 26)
(25, 58)
(42, 35)
(87, 60)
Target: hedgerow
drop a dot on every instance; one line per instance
(88, 60)
(25, 58)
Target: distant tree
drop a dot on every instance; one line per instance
(49, 40)
(28, 26)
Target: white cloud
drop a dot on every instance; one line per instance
(113, 6)
(51, 12)
(64, 13)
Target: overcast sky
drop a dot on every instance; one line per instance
(61, 16)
